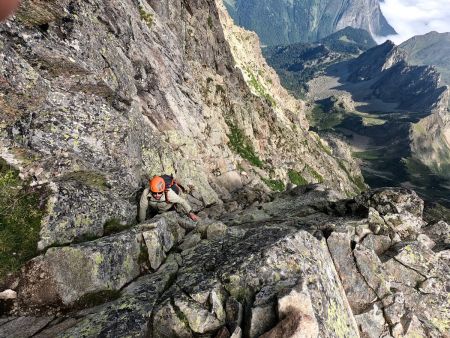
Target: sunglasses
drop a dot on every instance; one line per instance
(156, 194)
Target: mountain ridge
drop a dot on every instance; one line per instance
(287, 24)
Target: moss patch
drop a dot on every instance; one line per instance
(259, 88)
(21, 212)
(357, 180)
(368, 154)
(143, 258)
(240, 144)
(324, 120)
(315, 174)
(276, 185)
(146, 16)
(113, 226)
(96, 298)
(296, 178)
(210, 22)
(89, 178)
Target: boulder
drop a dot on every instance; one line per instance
(128, 315)
(372, 324)
(158, 240)
(253, 265)
(63, 275)
(24, 326)
(393, 211)
(359, 294)
(296, 314)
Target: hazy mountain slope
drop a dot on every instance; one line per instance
(298, 63)
(394, 114)
(431, 49)
(285, 21)
(414, 88)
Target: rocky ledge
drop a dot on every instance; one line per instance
(306, 264)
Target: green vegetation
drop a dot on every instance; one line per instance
(323, 120)
(96, 298)
(372, 121)
(275, 185)
(20, 220)
(89, 178)
(315, 174)
(259, 88)
(143, 255)
(242, 145)
(358, 180)
(113, 226)
(326, 149)
(296, 178)
(146, 17)
(220, 89)
(210, 22)
(368, 155)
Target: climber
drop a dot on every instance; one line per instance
(7, 8)
(163, 194)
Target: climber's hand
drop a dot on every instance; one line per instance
(193, 216)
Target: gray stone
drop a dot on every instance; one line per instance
(8, 294)
(200, 320)
(296, 315)
(426, 241)
(129, 315)
(216, 230)
(371, 268)
(439, 232)
(414, 328)
(371, 324)
(234, 312)
(237, 333)
(56, 327)
(262, 318)
(254, 265)
(65, 274)
(359, 294)
(377, 243)
(190, 241)
(394, 308)
(158, 241)
(24, 327)
(376, 222)
(170, 323)
(392, 201)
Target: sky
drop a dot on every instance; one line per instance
(415, 17)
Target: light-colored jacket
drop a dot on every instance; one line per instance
(161, 205)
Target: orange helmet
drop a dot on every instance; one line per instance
(157, 184)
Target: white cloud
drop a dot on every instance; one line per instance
(415, 17)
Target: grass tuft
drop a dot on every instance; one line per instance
(296, 178)
(240, 144)
(21, 212)
(275, 185)
(146, 16)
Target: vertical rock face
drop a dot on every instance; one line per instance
(286, 22)
(98, 97)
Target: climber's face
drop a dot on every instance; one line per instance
(157, 195)
(7, 8)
